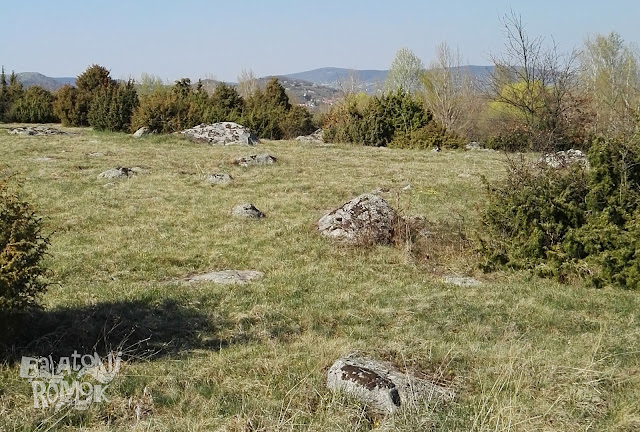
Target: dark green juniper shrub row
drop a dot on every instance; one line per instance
(570, 222)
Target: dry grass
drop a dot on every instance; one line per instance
(524, 354)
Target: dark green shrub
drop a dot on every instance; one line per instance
(34, 106)
(395, 120)
(225, 104)
(170, 110)
(22, 247)
(95, 77)
(427, 137)
(112, 107)
(68, 108)
(269, 114)
(569, 222)
(297, 121)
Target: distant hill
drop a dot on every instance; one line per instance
(370, 80)
(29, 79)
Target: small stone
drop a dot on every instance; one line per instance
(247, 210)
(314, 138)
(143, 131)
(219, 179)
(473, 145)
(256, 159)
(115, 173)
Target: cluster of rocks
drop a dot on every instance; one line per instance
(564, 159)
(381, 387)
(120, 172)
(314, 138)
(223, 133)
(367, 218)
(36, 131)
(255, 159)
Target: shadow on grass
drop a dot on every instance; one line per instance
(142, 330)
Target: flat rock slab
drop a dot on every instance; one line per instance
(221, 178)
(367, 218)
(222, 133)
(462, 281)
(228, 277)
(380, 386)
(36, 131)
(120, 172)
(247, 210)
(44, 159)
(256, 159)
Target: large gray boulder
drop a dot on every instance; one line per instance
(367, 218)
(564, 159)
(223, 133)
(382, 387)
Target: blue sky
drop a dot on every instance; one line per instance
(197, 38)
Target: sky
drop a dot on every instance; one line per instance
(218, 39)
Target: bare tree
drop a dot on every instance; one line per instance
(405, 72)
(247, 83)
(351, 85)
(610, 73)
(450, 92)
(535, 81)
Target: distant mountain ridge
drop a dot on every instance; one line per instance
(369, 80)
(52, 84)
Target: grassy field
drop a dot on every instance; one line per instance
(522, 353)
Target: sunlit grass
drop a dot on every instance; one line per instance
(522, 353)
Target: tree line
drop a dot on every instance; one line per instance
(103, 103)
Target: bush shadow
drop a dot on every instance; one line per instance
(142, 330)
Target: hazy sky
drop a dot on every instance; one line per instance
(197, 38)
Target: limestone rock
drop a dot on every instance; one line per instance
(564, 159)
(143, 131)
(223, 133)
(228, 277)
(219, 179)
(367, 218)
(247, 210)
(120, 172)
(381, 386)
(256, 159)
(473, 145)
(314, 138)
(36, 131)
